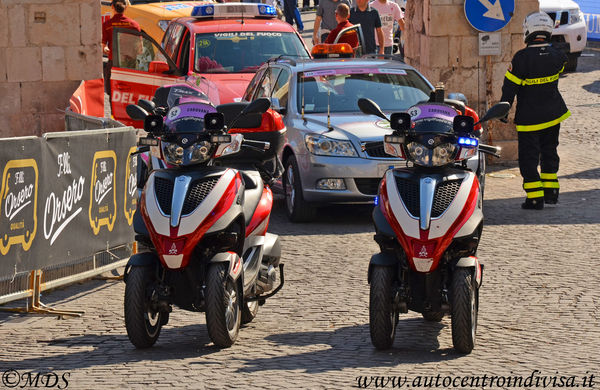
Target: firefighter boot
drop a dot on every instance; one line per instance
(533, 204)
(551, 195)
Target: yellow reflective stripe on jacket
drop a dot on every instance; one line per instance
(513, 78)
(545, 125)
(548, 176)
(535, 194)
(541, 80)
(551, 184)
(533, 184)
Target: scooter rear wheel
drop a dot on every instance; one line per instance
(382, 316)
(223, 317)
(249, 311)
(465, 305)
(142, 323)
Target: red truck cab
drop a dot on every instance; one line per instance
(220, 45)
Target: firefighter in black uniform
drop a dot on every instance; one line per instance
(533, 78)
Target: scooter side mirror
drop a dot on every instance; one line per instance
(369, 107)
(147, 105)
(497, 111)
(400, 121)
(136, 112)
(258, 106)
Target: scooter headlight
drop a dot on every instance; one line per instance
(176, 155)
(440, 155)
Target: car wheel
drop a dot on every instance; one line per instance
(297, 209)
(571, 65)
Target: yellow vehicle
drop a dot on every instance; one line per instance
(153, 16)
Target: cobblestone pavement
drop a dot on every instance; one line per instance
(539, 299)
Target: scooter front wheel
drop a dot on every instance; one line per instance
(142, 323)
(465, 305)
(382, 316)
(223, 316)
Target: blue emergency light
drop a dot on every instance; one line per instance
(467, 141)
(234, 10)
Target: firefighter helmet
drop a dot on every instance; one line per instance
(537, 25)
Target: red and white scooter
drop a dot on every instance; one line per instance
(428, 222)
(202, 223)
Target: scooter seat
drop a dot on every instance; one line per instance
(252, 193)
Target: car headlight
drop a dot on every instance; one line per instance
(195, 154)
(163, 24)
(576, 16)
(440, 155)
(325, 146)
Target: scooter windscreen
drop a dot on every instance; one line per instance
(431, 142)
(184, 141)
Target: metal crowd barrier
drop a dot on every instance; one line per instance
(30, 285)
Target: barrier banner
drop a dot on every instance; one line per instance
(65, 196)
(591, 12)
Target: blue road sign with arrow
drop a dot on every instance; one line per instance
(489, 15)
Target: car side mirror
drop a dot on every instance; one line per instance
(158, 67)
(400, 121)
(214, 121)
(153, 124)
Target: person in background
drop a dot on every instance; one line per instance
(370, 22)
(120, 21)
(389, 12)
(325, 20)
(342, 13)
(306, 4)
(533, 78)
(291, 13)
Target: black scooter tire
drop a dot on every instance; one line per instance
(223, 312)
(465, 306)
(382, 317)
(143, 326)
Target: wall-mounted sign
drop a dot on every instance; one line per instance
(489, 15)
(490, 44)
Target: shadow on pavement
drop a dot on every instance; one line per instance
(174, 343)
(578, 207)
(416, 342)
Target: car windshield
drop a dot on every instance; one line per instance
(245, 51)
(391, 89)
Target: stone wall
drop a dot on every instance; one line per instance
(442, 44)
(46, 48)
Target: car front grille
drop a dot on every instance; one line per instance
(199, 190)
(163, 188)
(376, 149)
(367, 186)
(564, 17)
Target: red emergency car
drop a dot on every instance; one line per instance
(221, 46)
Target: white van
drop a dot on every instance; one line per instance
(570, 31)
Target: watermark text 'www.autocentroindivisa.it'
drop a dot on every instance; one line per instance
(534, 380)
(28, 379)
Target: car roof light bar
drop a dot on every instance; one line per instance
(234, 10)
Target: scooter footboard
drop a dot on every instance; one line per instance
(272, 249)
